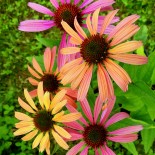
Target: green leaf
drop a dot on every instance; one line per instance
(148, 137)
(48, 42)
(130, 147)
(140, 51)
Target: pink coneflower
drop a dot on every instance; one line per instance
(51, 79)
(98, 49)
(44, 121)
(95, 133)
(67, 11)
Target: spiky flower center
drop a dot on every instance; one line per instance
(94, 49)
(43, 120)
(94, 135)
(67, 13)
(50, 83)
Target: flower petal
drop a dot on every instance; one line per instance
(33, 81)
(30, 135)
(55, 3)
(40, 93)
(37, 140)
(37, 66)
(34, 73)
(47, 100)
(44, 141)
(22, 116)
(23, 130)
(59, 106)
(70, 50)
(95, 20)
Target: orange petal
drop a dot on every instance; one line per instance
(30, 135)
(95, 20)
(34, 73)
(33, 81)
(23, 130)
(89, 26)
(22, 116)
(70, 50)
(37, 66)
(22, 124)
(44, 141)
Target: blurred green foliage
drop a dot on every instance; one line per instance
(17, 48)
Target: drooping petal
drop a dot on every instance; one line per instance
(40, 8)
(59, 140)
(107, 21)
(85, 83)
(126, 47)
(35, 25)
(118, 74)
(22, 116)
(37, 140)
(124, 138)
(133, 59)
(62, 132)
(29, 100)
(127, 130)
(74, 150)
(30, 135)
(116, 118)
(86, 109)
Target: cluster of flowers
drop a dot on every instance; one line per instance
(79, 52)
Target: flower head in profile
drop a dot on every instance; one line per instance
(95, 134)
(98, 49)
(44, 122)
(51, 79)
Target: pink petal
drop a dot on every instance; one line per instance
(133, 59)
(118, 74)
(33, 93)
(86, 109)
(124, 138)
(67, 1)
(74, 150)
(97, 108)
(85, 151)
(54, 3)
(35, 25)
(75, 136)
(72, 93)
(40, 8)
(74, 125)
(96, 152)
(61, 59)
(104, 152)
(108, 150)
(85, 3)
(127, 130)
(85, 83)
(76, 1)
(127, 21)
(108, 109)
(96, 5)
(70, 101)
(115, 118)
(72, 109)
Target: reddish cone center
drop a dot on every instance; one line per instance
(95, 135)
(43, 121)
(94, 49)
(50, 83)
(67, 13)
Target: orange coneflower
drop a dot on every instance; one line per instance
(98, 49)
(51, 79)
(45, 120)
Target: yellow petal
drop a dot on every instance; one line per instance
(59, 140)
(58, 97)
(62, 132)
(22, 124)
(37, 140)
(48, 148)
(59, 106)
(23, 130)
(69, 117)
(30, 135)
(47, 100)
(40, 93)
(22, 116)
(25, 106)
(29, 99)
(58, 115)
(44, 142)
